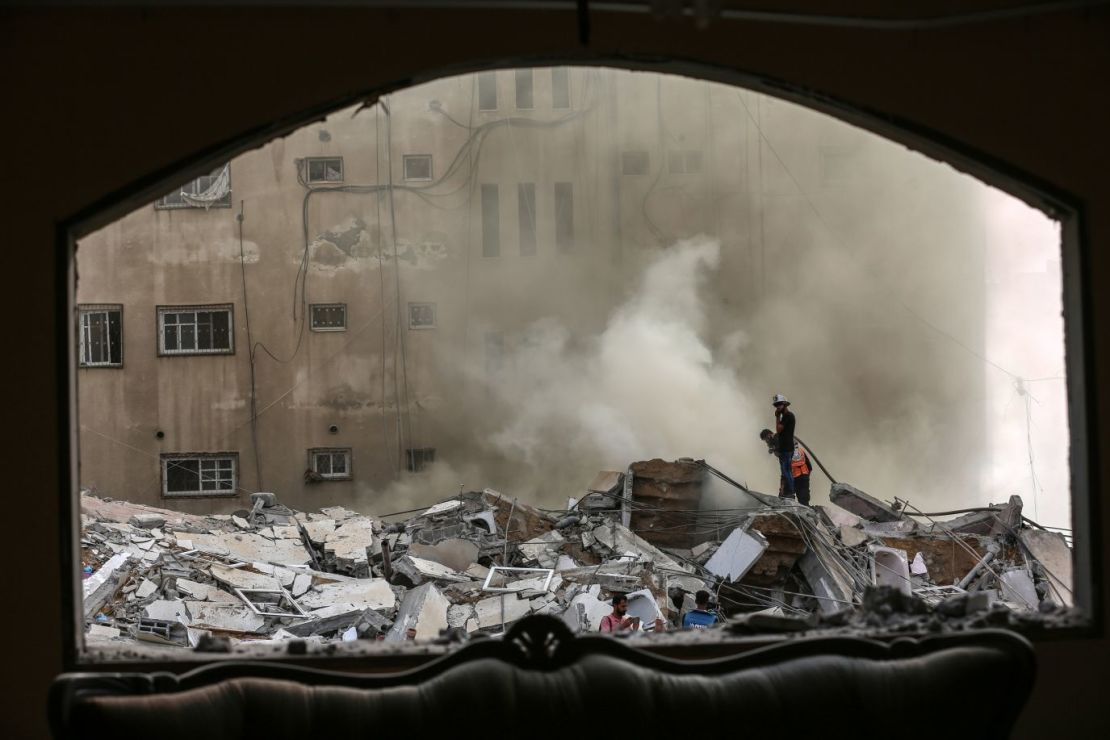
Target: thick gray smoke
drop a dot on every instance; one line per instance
(649, 385)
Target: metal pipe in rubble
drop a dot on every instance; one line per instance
(815, 459)
(993, 550)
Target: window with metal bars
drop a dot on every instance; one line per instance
(331, 463)
(100, 336)
(329, 316)
(195, 330)
(200, 474)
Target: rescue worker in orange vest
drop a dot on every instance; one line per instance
(800, 468)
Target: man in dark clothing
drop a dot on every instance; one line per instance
(784, 428)
(702, 617)
(800, 467)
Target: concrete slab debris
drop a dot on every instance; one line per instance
(737, 554)
(862, 505)
(423, 613)
(482, 560)
(223, 617)
(370, 593)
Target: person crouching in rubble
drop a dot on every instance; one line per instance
(701, 617)
(619, 622)
(799, 467)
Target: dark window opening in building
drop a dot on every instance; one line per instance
(524, 89)
(195, 330)
(564, 215)
(422, 315)
(560, 87)
(199, 474)
(491, 222)
(324, 169)
(420, 458)
(686, 162)
(635, 163)
(100, 336)
(526, 214)
(330, 463)
(207, 191)
(487, 91)
(418, 166)
(329, 316)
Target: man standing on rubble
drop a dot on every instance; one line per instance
(800, 467)
(784, 434)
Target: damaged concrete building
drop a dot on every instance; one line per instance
(276, 579)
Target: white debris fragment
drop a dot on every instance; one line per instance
(368, 593)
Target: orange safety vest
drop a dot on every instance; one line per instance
(799, 462)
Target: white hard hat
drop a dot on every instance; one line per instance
(779, 398)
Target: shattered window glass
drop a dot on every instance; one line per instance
(201, 185)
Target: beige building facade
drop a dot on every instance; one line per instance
(338, 319)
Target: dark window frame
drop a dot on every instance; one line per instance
(313, 307)
(521, 75)
(560, 88)
(161, 311)
(526, 218)
(348, 456)
(421, 327)
(85, 309)
(309, 161)
(564, 216)
(490, 219)
(407, 158)
(489, 77)
(167, 458)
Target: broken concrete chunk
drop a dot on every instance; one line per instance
(424, 611)
(859, 503)
(453, 552)
(1052, 552)
(224, 617)
(737, 554)
(98, 587)
(102, 632)
(586, 610)
(368, 593)
(489, 610)
(1017, 587)
(318, 530)
(851, 536)
(241, 578)
(147, 521)
(418, 570)
(146, 589)
(240, 522)
(167, 611)
(301, 584)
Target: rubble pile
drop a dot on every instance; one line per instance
(472, 565)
